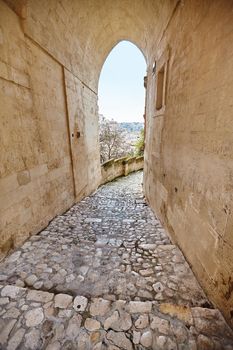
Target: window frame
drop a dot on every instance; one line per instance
(160, 66)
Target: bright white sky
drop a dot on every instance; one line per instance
(121, 90)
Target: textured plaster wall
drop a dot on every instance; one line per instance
(189, 158)
(83, 130)
(51, 55)
(35, 166)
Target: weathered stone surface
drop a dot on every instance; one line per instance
(123, 307)
(118, 321)
(54, 346)
(180, 332)
(120, 340)
(14, 257)
(99, 307)
(12, 313)
(148, 246)
(15, 341)
(200, 312)
(40, 296)
(183, 313)
(158, 287)
(90, 220)
(98, 346)
(38, 285)
(20, 283)
(95, 336)
(146, 339)
(34, 317)
(11, 291)
(30, 280)
(204, 343)
(32, 339)
(65, 313)
(98, 274)
(83, 341)
(80, 303)
(4, 301)
(63, 300)
(142, 321)
(92, 324)
(74, 326)
(160, 324)
(139, 307)
(112, 320)
(161, 341)
(136, 337)
(3, 278)
(146, 272)
(5, 331)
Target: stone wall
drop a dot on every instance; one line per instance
(51, 55)
(189, 158)
(35, 166)
(48, 137)
(114, 168)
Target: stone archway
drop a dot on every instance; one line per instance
(51, 59)
(124, 69)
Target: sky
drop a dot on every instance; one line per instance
(121, 90)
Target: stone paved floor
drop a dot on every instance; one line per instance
(105, 276)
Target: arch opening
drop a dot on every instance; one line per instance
(121, 101)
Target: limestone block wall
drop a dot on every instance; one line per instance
(46, 162)
(115, 168)
(189, 158)
(34, 171)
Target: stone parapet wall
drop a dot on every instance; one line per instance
(114, 168)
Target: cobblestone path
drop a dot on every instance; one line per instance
(105, 276)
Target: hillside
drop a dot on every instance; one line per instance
(132, 126)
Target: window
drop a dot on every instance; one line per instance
(154, 67)
(159, 70)
(160, 88)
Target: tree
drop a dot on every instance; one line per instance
(140, 144)
(113, 142)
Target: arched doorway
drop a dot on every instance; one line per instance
(121, 100)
